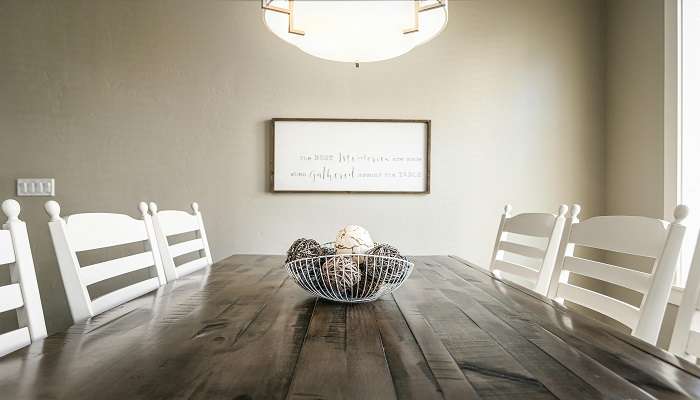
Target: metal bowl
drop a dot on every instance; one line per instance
(379, 275)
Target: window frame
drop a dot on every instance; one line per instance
(672, 123)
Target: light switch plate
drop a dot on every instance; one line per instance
(36, 187)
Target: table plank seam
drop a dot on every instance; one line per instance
(258, 312)
(303, 342)
(386, 359)
(432, 363)
(110, 322)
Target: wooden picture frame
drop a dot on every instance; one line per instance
(413, 181)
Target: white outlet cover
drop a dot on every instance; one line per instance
(36, 187)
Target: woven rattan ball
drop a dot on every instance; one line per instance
(388, 270)
(303, 248)
(308, 271)
(340, 274)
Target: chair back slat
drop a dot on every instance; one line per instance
(623, 234)
(22, 294)
(7, 252)
(529, 225)
(91, 231)
(631, 279)
(121, 296)
(192, 266)
(515, 269)
(521, 249)
(14, 340)
(174, 222)
(10, 297)
(616, 309)
(112, 230)
(183, 248)
(639, 236)
(119, 266)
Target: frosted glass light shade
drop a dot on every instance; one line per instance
(355, 30)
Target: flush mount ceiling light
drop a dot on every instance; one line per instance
(355, 30)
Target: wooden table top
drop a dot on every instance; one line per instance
(243, 330)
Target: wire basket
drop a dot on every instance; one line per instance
(371, 277)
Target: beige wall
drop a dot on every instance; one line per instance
(168, 100)
(635, 107)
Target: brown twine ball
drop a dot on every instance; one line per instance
(303, 248)
(308, 272)
(388, 270)
(327, 249)
(340, 274)
(306, 256)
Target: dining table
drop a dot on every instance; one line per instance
(243, 329)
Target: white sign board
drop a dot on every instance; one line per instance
(324, 155)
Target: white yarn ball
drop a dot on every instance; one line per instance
(353, 239)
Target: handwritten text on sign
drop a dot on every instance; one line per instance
(350, 156)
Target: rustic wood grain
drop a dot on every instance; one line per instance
(540, 368)
(443, 367)
(243, 330)
(486, 311)
(368, 370)
(410, 371)
(343, 356)
(649, 373)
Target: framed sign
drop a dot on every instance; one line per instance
(350, 155)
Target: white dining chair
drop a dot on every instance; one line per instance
(532, 225)
(175, 222)
(685, 340)
(652, 238)
(22, 294)
(90, 231)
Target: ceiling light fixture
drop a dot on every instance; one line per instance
(355, 31)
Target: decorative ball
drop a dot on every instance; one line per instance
(388, 270)
(353, 239)
(327, 249)
(385, 250)
(368, 286)
(308, 273)
(303, 248)
(340, 273)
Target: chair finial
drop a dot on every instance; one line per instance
(144, 208)
(53, 209)
(563, 209)
(680, 213)
(195, 207)
(153, 207)
(11, 208)
(575, 210)
(507, 209)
